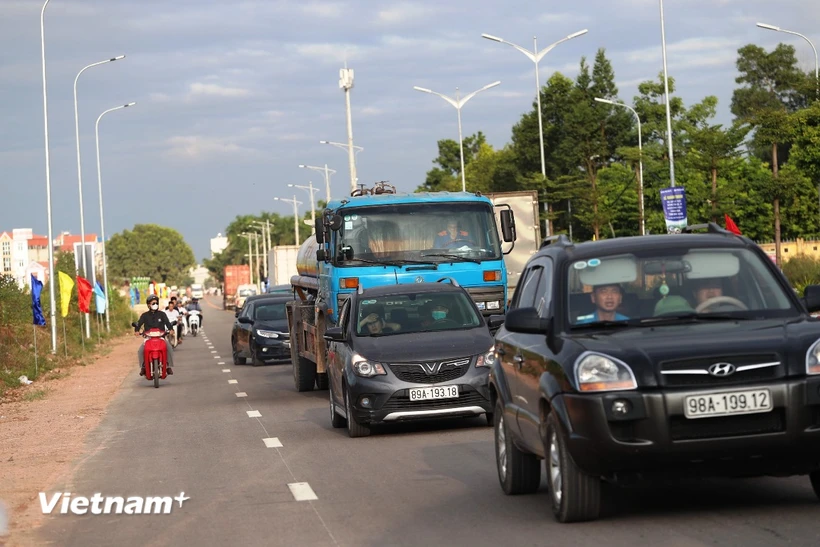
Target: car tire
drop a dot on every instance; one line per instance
(354, 428)
(490, 417)
(322, 381)
(335, 419)
(255, 359)
(814, 476)
(237, 360)
(575, 496)
(518, 472)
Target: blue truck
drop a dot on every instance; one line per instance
(377, 237)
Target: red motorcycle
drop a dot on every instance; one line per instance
(155, 354)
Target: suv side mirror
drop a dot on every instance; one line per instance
(507, 225)
(811, 298)
(525, 320)
(245, 320)
(334, 334)
(495, 321)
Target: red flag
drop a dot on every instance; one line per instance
(731, 226)
(85, 290)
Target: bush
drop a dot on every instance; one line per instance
(802, 270)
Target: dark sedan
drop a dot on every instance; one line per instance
(260, 332)
(408, 352)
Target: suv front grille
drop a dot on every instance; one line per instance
(694, 372)
(418, 373)
(682, 428)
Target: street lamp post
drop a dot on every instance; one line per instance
(310, 189)
(346, 84)
(816, 64)
(102, 218)
(668, 110)
(250, 254)
(295, 215)
(52, 295)
(640, 158)
(80, 178)
(325, 172)
(264, 226)
(458, 103)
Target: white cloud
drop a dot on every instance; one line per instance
(562, 18)
(329, 52)
(197, 147)
(198, 89)
(406, 12)
(370, 111)
(690, 53)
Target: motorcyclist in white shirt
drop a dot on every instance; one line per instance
(174, 315)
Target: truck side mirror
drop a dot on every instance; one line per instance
(507, 225)
(321, 255)
(320, 230)
(335, 222)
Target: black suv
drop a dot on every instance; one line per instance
(669, 354)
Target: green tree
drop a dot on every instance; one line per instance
(150, 250)
(446, 175)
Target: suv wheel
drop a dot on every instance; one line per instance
(518, 472)
(575, 495)
(815, 482)
(354, 428)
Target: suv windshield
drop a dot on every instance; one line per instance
(415, 312)
(420, 231)
(674, 284)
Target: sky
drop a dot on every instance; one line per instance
(233, 95)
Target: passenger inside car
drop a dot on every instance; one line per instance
(607, 299)
(373, 322)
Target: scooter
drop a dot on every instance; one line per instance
(193, 321)
(155, 354)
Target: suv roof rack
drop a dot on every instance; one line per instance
(562, 239)
(711, 227)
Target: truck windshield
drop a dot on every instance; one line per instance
(433, 232)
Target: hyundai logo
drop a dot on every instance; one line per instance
(722, 369)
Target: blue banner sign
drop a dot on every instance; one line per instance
(674, 208)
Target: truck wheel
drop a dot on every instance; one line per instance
(321, 380)
(354, 428)
(518, 472)
(575, 495)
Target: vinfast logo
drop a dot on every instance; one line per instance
(64, 503)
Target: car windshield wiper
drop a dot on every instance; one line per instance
(604, 324)
(398, 263)
(457, 257)
(687, 317)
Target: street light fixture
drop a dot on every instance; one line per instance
(640, 158)
(52, 295)
(325, 172)
(458, 103)
(343, 146)
(295, 215)
(102, 219)
(816, 64)
(311, 189)
(80, 177)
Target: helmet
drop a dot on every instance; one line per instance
(152, 298)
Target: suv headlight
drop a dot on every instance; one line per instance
(598, 372)
(813, 359)
(367, 369)
(486, 359)
(268, 334)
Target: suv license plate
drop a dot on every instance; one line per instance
(429, 393)
(726, 404)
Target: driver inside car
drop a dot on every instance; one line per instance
(706, 288)
(376, 324)
(606, 298)
(452, 236)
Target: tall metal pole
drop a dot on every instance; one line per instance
(80, 179)
(267, 222)
(668, 110)
(310, 189)
(250, 255)
(51, 273)
(258, 279)
(540, 122)
(327, 183)
(102, 216)
(346, 83)
(461, 143)
(265, 251)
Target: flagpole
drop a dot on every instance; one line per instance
(36, 365)
(65, 338)
(82, 337)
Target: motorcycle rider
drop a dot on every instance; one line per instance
(173, 315)
(194, 305)
(154, 319)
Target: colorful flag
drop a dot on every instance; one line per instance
(730, 225)
(66, 286)
(99, 298)
(85, 290)
(36, 309)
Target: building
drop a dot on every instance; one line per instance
(218, 244)
(6, 241)
(200, 274)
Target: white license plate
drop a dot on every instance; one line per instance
(725, 404)
(430, 393)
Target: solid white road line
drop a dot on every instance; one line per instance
(233, 381)
(241, 394)
(226, 370)
(254, 414)
(302, 491)
(272, 442)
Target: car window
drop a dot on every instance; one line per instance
(273, 311)
(680, 281)
(247, 310)
(526, 297)
(415, 312)
(543, 293)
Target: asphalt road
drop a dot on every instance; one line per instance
(430, 484)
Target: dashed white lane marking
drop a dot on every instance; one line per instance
(226, 370)
(302, 491)
(217, 357)
(241, 394)
(213, 351)
(254, 414)
(272, 442)
(233, 381)
(221, 363)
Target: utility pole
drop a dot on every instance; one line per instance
(346, 83)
